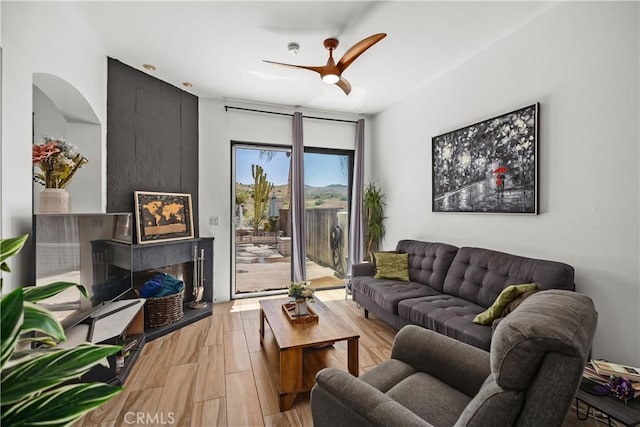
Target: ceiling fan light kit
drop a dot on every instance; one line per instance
(330, 78)
(331, 73)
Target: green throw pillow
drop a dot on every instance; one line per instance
(505, 297)
(392, 266)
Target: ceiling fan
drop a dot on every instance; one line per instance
(331, 72)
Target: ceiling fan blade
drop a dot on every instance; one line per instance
(358, 49)
(344, 85)
(317, 69)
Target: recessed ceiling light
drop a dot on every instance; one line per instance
(149, 67)
(187, 84)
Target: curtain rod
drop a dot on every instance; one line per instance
(228, 107)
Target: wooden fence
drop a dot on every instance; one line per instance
(319, 223)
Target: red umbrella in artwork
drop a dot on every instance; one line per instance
(501, 169)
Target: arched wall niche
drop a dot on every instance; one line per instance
(61, 111)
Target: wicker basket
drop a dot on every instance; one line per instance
(163, 311)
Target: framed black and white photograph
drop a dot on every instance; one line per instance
(490, 166)
(163, 216)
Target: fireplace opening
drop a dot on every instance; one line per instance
(189, 260)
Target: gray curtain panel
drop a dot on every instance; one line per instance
(298, 233)
(356, 231)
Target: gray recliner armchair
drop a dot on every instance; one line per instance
(529, 378)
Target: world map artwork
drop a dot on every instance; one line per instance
(163, 216)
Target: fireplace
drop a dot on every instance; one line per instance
(177, 259)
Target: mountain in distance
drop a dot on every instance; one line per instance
(329, 186)
(330, 196)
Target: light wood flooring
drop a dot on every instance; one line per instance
(216, 372)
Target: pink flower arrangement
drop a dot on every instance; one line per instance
(58, 162)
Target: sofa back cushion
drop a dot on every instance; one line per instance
(479, 275)
(428, 262)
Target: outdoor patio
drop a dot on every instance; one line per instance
(260, 266)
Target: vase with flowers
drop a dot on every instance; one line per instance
(301, 292)
(55, 163)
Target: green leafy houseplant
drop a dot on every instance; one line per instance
(373, 205)
(36, 386)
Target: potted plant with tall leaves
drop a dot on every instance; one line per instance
(373, 205)
(37, 385)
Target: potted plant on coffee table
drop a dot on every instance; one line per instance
(301, 292)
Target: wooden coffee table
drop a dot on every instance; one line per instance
(291, 340)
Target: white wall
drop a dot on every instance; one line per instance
(580, 61)
(48, 120)
(217, 130)
(30, 46)
(85, 189)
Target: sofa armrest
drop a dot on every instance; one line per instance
(453, 362)
(362, 269)
(340, 399)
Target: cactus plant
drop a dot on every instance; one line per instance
(261, 190)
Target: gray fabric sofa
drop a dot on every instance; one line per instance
(529, 378)
(449, 286)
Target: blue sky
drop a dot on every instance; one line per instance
(320, 170)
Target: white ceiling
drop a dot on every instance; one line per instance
(219, 46)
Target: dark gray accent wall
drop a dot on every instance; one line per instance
(152, 138)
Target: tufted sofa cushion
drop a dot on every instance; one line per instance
(479, 275)
(428, 262)
(388, 293)
(448, 315)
